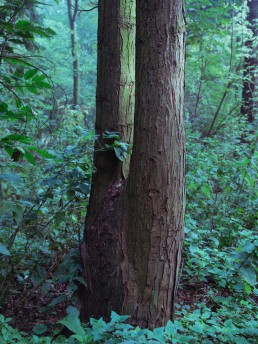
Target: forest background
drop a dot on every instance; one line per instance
(47, 134)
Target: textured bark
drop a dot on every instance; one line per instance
(156, 183)
(115, 93)
(250, 85)
(72, 12)
(134, 232)
(115, 109)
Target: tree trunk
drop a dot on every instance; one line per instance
(134, 234)
(115, 94)
(72, 12)
(156, 188)
(114, 112)
(250, 93)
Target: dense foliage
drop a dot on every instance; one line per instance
(46, 165)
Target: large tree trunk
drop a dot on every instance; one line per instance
(115, 97)
(134, 233)
(115, 109)
(250, 85)
(156, 188)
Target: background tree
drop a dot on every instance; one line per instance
(250, 96)
(72, 13)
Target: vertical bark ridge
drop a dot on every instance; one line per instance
(249, 107)
(156, 181)
(102, 250)
(115, 93)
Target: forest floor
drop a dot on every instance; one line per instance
(27, 307)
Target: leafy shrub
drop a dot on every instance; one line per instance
(200, 326)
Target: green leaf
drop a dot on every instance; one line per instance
(29, 157)
(56, 301)
(3, 107)
(18, 211)
(120, 154)
(198, 327)
(72, 310)
(23, 25)
(18, 102)
(72, 322)
(4, 250)
(30, 74)
(38, 276)
(111, 135)
(27, 112)
(16, 138)
(70, 194)
(42, 152)
(84, 188)
(206, 189)
(32, 89)
(42, 84)
(10, 177)
(249, 275)
(39, 328)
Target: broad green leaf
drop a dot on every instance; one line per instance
(120, 154)
(39, 328)
(72, 310)
(249, 275)
(42, 84)
(16, 138)
(32, 88)
(73, 323)
(23, 25)
(42, 152)
(70, 194)
(10, 177)
(30, 74)
(27, 112)
(18, 211)
(29, 157)
(56, 301)
(206, 189)
(3, 107)
(4, 250)
(111, 135)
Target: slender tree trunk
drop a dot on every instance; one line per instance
(134, 234)
(250, 85)
(72, 13)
